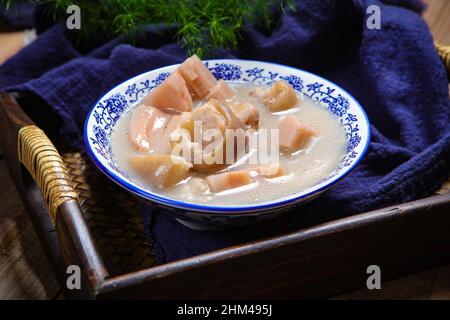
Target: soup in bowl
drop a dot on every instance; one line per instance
(226, 142)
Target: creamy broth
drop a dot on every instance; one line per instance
(304, 168)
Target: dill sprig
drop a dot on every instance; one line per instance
(202, 25)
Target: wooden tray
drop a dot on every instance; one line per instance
(82, 219)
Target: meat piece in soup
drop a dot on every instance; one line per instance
(180, 121)
(294, 134)
(210, 116)
(171, 96)
(221, 91)
(147, 128)
(270, 171)
(279, 97)
(161, 170)
(228, 180)
(246, 113)
(148, 144)
(199, 79)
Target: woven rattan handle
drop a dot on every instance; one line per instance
(444, 53)
(43, 162)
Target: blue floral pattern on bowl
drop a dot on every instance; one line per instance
(108, 110)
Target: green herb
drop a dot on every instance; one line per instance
(203, 25)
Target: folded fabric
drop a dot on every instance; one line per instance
(395, 73)
(18, 17)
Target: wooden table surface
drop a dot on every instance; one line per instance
(25, 273)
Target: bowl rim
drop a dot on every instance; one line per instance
(229, 209)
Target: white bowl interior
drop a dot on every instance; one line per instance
(109, 108)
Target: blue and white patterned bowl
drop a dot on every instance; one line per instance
(108, 109)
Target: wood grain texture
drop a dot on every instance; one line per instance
(437, 16)
(25, 273)
(10, 43)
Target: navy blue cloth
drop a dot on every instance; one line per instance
(394, 72)
(19, 16)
